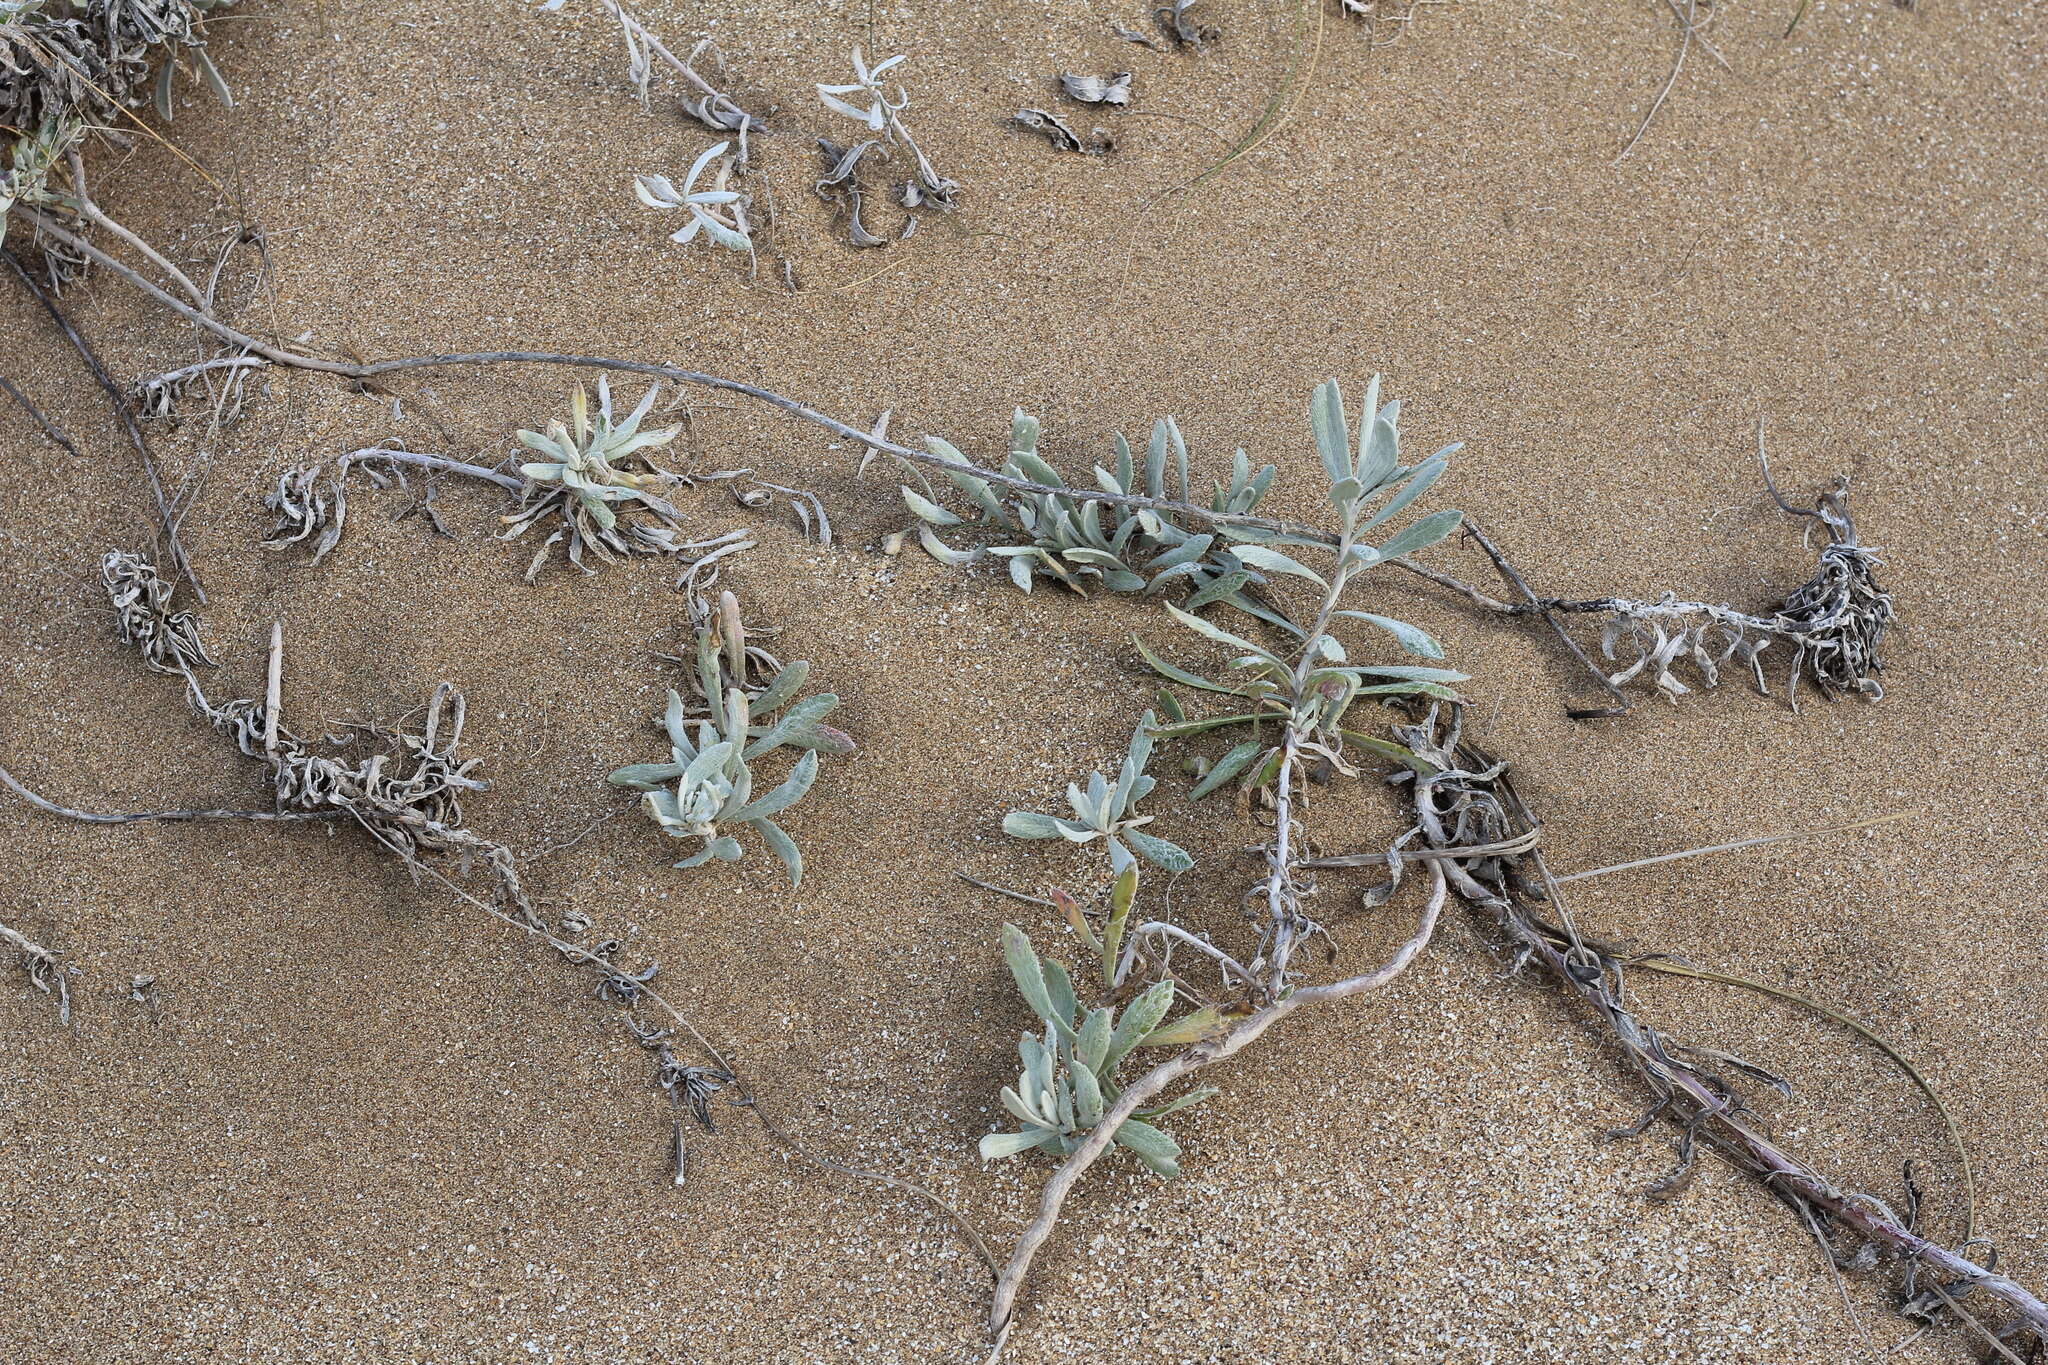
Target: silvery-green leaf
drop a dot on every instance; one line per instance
(1035, 469)
(707, 764)
(1059, 988)
(1344, 493)
(794, 722)
(1037, 1060)
(939, 550)
(1175, 673)
(782, 846)
(1029, 824)
(1422, 534)
(1081, 554)
(1180, 457)
(1020, 571)
(657, 191)
(781, 688)
(1091, 1048)
(1187, 552)
(996, 1146)
(1029, 976)
(1122, 580)
(784, 796)
(661, 804)
(725, 848)
(976, 488)
(1087, 1097)
(927, 510)
(1379, 453)
(1412, 672)
(1227, 767)
(1155, 462)
(1020, 1109)
(1332, 430)
(1140, 1017)
(1169, 856)
(1414, 484)
(1121, 859)
(819, 739)
(1414, 639)
(723, 235)
(1260, 557)
(1185, 1031)
(1222, 636)
(1024, 430)
(1195, 1096)
(871, 117)
(1122, 895)
(1159, 1153)
(1218, 588)
(1408, 689)
(644, 776)
(1075, 831)
(1259, 535)
(1090, 809)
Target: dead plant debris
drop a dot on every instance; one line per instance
(1112, 90)
(1062, 137)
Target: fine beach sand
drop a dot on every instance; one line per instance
(366, 1124)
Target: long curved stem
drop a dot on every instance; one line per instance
(675, 373)
(1054, 1196)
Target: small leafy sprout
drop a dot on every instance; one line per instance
(582, 481)
(1103, 811)
(26, 180)
(718, 212)
(867, 85)
(1069, 1077)
(707, 786)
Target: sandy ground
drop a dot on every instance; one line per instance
(365, 1124)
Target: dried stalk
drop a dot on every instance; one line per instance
(1204, 1054)
(1832, 624)
(1466, 807)
(166, 515)
(44, 969)
(38, 416)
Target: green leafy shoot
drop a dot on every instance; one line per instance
(707, 788)
(1069, 1077)
(1296, 702)
(1083, 545)
(1104, 810)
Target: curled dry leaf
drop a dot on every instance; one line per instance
(840, 186)
(1061, 136)
(1114, 89)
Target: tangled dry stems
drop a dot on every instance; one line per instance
(1476, 830)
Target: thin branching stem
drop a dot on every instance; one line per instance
(14, 785)
(1054, 1196)
(41, 418)
(167, 518)
(281, 356)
